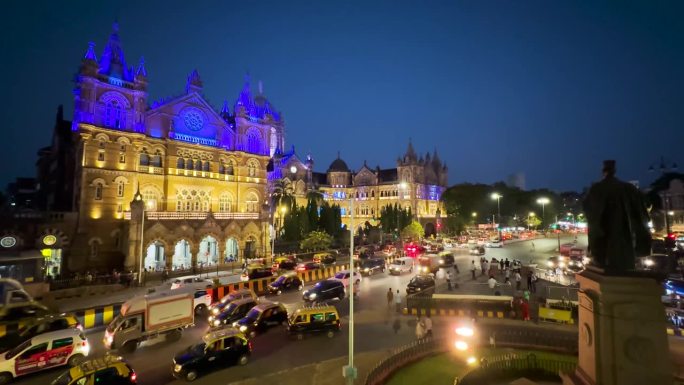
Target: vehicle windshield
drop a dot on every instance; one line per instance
(318, 285)
(280, 279)
(229, 309)
(397, 262)
(341, 275)
(197, 349)
(63, 379)
(418, 279)
(18, 349)
(115, 323)
(253, 315)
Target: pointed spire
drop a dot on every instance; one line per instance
(436, 162)
(90, 53)
(141, 72)
(194, 83)
(410, 152)
(113, 62)
(245, 97)
(225, 111)
(338, 154)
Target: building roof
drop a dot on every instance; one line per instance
(388, 175)
(338, 165)
(319, 178)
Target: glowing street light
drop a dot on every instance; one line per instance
(543, 201)
(529, 219)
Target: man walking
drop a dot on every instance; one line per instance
(397, 301)
(518, 279)
(472, 268)
(390, 297)
(428, 326)
(501, 265)
(448, 279)
(533, 279)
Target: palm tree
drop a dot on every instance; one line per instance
(282, 188)
(315, 195)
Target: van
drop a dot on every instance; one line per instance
(401, 265)
(45, 351)
(313, 320)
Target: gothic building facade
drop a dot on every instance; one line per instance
(417, 182)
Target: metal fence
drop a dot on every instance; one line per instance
(512, 365)
(403, 356)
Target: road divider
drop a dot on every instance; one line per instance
(459, 305)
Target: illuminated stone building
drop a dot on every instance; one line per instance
(416, 183)
(201, 172)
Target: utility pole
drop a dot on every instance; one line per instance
(349, 371)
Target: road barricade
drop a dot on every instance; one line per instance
(555, 315)
(481, 306)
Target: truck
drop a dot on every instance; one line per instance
(429, 263)
(144, 317)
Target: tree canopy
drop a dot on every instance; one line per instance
(413, 231)
(316, 240)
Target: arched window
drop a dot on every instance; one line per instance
(196, 205)
(274, 141)
(98, 191)
(180, 164)
(157, 159)
(222, 168)
(120, 189)
(372, 193)
(198, 165)
(189, 164)
(230, 169)
(115, 115)
(151, 198)
(252, 203)
(144, 159)
(205, 205)
(225, 203)
(206, 167)
(253, 142)
(252, 166)
(94, 248)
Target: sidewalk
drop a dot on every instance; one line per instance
(77, 303)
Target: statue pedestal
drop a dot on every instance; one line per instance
(622, 338)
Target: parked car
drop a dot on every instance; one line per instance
(313, 320)
(401, 265)
(217, 307)
(287, 265)
(107, 370)
(46, 324)
(232, 312)
(343, 276)
(287, 281)
(446, 259)
(325, 258)
(218, 349)
(371, 266)
(420, 283)
(192, 280)
(261, 318)
(494, 244)
(256, 272)
(324, 291)
(44, 351)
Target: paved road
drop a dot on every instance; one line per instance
(275, 351)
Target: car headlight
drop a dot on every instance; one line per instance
(243, 328)
(561, 264)
(417, 289)
(649, 262)
(235, 324)
(312, 295)
(109, 339)
(441, 262)
(366, 269)
(217, 322)
(549, 264)
(215, 311)
(177, 368)
(211, 318)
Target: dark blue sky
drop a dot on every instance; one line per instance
(548, 88)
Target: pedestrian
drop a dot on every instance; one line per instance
(472, 269)
(492, 282)
(534, 282)
(448, 279)
(390, 297)
(397, 301)
(486, 267)
(507, 264)
(518, 280)
(533, 246)
(507, 275)
(89, 278)
(525, 310)
(482, 266)
(456, 269)
(420, 329)
(428, 326)
(529, 280)
(165, 275)
(501, 265)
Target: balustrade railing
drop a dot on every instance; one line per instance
(191, 215)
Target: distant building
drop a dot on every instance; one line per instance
(416, 183)
(516, 180)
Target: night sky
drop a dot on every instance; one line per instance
(546, 88)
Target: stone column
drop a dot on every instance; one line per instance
(132, 260)
(622, 337)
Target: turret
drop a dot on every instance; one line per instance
(194, 83)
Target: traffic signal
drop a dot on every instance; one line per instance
(670, 241)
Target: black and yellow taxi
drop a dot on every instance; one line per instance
(287, 281)
(107, 370)
(314, 320)
(218, 349)
(327, 258)
(262, 317)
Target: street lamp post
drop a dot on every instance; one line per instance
(498, 197)
(543, 201)
(349, 371)
(529, 220)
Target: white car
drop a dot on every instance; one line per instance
(191, 280)
(401, 265)
(494, 244)
(44, 351)
(343, 276)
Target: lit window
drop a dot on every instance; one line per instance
(100, 156)
(115, 116)
(98, 191)
(253, 142)
(252, 203)
(119, 208)
(122, 158)
(180, 163)
(120, 189)
(144, 159)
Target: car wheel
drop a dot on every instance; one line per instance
(129, 347)
(5, 378)
(191, 376)
(243, 360)
(75, 360)
(279, 292)
(200, 310)
(174, 336)
(252, 334)
(330, 334)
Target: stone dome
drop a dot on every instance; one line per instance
(338, 165)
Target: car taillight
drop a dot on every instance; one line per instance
(134, 377)
(249, 345)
